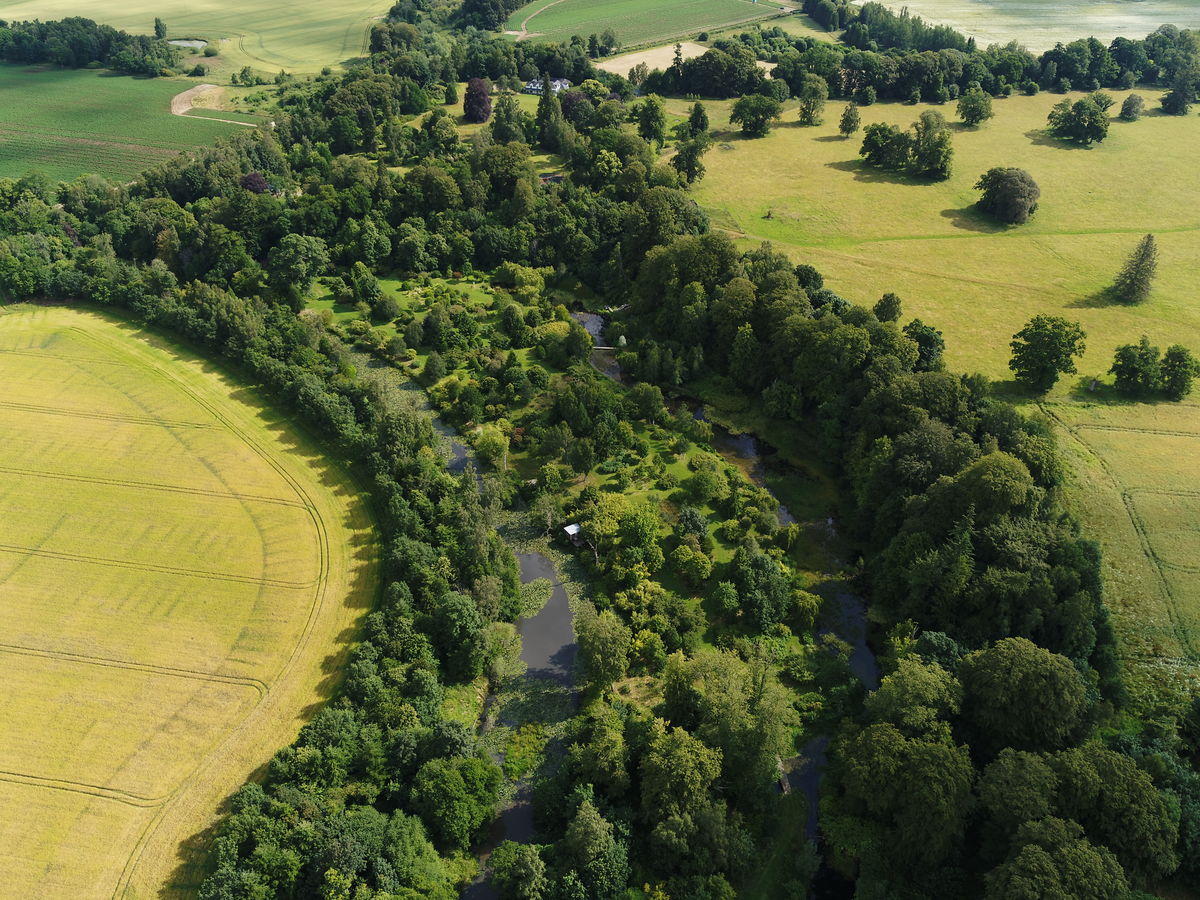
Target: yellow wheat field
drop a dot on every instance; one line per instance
(180, 571)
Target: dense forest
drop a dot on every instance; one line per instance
(996, 758)
(77, 42)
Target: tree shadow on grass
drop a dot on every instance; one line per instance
(833, 138)
(969, 218)
(1042, 138)
(1090, 389)
(870, 175)
(1100, 299)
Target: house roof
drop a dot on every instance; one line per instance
(572, 529)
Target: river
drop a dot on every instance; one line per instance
(847, 619)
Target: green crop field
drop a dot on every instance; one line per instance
(269, 36)
(64, 123)
(178, 569)
(637, 21)
(1135, 482)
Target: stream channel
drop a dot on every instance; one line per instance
(848, 619)
(548, 646)
(548, 638)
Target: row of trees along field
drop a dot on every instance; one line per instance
(996, 758)
(77, 42)
(937, 72)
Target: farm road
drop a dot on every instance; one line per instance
(181, 104)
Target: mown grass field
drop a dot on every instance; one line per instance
(180, 571)
(64, 123)
(271, 35)
(1135, 481)
(870, 231)
(637, 22)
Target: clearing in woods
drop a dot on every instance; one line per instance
(67, 122)
(300, 37)
(636, 21)
(1134, 481)
(180, 572)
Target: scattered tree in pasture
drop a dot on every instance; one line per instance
(756, 114)
(1044, 349)
(1131, 109)
(1133, 282)
(812, 94)
(975, 106)
(1084, 121)
(932, 153)
(451, 97)
(886, 146)
(160, 28)
(689, 156)
(1009, 194)
(1179, 368)
(850, 122)
(1137, 368)
(698, 119)
(477, 103)
(511, 123)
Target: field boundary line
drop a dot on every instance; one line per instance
(79, 414)
(238, 681)
(1135, 430)
(153, 486)
(151, 567)
(82, 787)
(1171, 605)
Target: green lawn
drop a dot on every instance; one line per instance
(67, 122)
(870, 231)
(637, 21)
(269, 35)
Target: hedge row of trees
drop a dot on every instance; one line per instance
(77, 42)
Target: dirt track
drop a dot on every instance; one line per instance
(181, 104)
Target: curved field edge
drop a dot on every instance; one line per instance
(169, 855)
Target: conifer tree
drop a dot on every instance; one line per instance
(698, 119)
(851, 120)
(1133, 281)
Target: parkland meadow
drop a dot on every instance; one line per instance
(179, 571)
(637, 22)
(1134, 480)
(64, 123)
(301, 37)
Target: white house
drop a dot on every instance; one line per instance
(558, 85)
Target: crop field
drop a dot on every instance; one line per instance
(1135, 481)
(637, 22)
(179, 569)
(64, 123)
(272, 35)
(1040, 26)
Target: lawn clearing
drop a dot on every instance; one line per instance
(179, 571)
(64, 123)
(637, 22)
(271, 35)
(870, 231)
